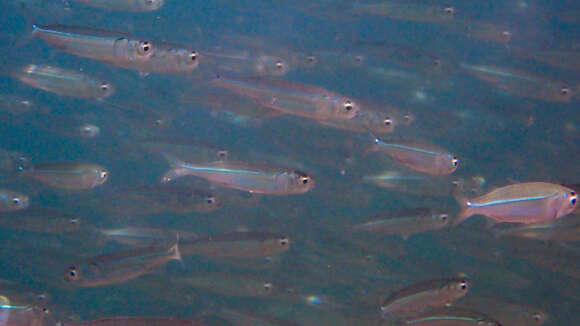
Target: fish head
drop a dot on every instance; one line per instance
(537, 317)
(106, 89)
(380, 123)
(207, 203)
(182, 59)
(457, 288)
(271, 66)
(150, 5)
(89, 130)
(300, 182)
(72, 274)
(567, 203)
(14, 201)
(440, 219)
(344, 108)
(446, 164)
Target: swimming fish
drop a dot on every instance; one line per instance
(419, 156)
(405, 222)
(64, 82)
(125, 5)
(120, 266)
(237, 244)
(136, 321)
(119, 49)
(567, 229)
(452, 317)
(11, 315)
(407, 11)
(12, 201)
(304, 100)
(529, 202)
(246, 63)
(67, 175)
(424, 296)
(254, 178)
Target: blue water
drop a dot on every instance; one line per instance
(502, 135)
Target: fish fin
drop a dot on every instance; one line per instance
(175, 250)
(143, 74)
(464, 211)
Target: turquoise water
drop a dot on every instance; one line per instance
(396, 63)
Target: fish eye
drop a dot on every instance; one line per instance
(449, 10)
(193, 56)
(267, 286)
(454, 161)
(105, 86)
(573, 198)
(437, 62)
(304, 180)
(387, 121)
(279, 64)
(144, 47)
(103, 174)
(311, 58)
(283, 241)
(463, 285)
(210, 200)
(443, 217)
(348, 105)
(72, 273)
(222, 153)
(537, 317)
(15, 200)
(73, 221)
(564, 90)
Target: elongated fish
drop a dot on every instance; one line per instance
(120, 266)
(452, 317)
(259, 178)
(423, 296)
(419, 156)
(379, 123)
(11, 315)
(405, 222)
(246, 63)
(136, 321)
(63, 82)
(12, 201)
(237, 244)
(522, 83)
(529, 202)
(125, 5)
(68, 175)
(119, 49)
(407, 11)
(309, 101)
(567, 229)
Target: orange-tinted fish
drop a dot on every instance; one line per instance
(424, 296)
(530, 202)
(119, 49)
(254, 178)
(304, 100)
(21, 315)
(64, 82)
(119, 266)
(68, 175)
(419, 156)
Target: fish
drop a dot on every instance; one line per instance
(44, 220)
(522, 83)
(136, 321)
(119, 49)
(452, 317)
(11, 201)
(67, 175)
(404, 55)
(529, 202)
(125, 5)
(236, 285)
(237, 244)
(419, 156)
(120, 266)
(407, 11)
(508, 313)
(405, 222)
(246, 63)
(420, 297)
(64, 82)
(303, 100)
(25, 315)
(567, 229)
(377, 122)
(253, 178)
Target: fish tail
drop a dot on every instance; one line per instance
(174, 250)
(176, 168)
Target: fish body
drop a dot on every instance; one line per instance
(414, 183)
(11, 201)
(529, 202)
(21, 315)
(522, 83)
(406, 222)
(246, 63)
(120, 266)
(238, 244)
(559, 230)
(136, 321)
(119, 49)
(125, 5)
(64, 82)
(261, 179)
(68, 175)
(304, 100)
(407, 11)
(423, 296)
(452, 317)
(380, 123)
(419, 156)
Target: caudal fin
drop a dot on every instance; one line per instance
(176, 170)
(464, 210)
(174, 250)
